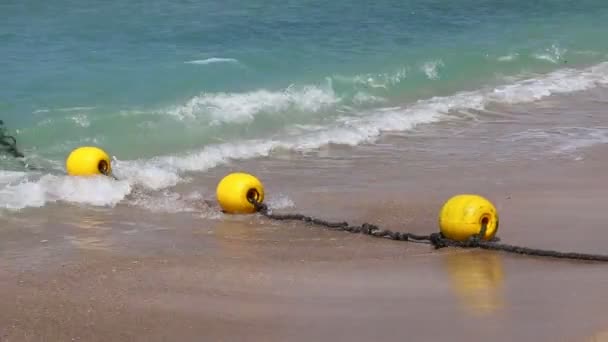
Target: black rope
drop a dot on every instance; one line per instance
(8, 145)
(437, 240)
(366, 228)
(8, 142)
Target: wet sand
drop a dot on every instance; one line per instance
(125, 274)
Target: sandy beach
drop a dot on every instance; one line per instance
(366, 112)
(77, 273)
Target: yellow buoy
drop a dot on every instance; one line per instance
(462, 216)
(233, 193)
(88, 161)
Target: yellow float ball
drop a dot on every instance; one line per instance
(233, 193)
(462, 216)
(88, 161)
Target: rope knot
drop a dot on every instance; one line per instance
(437, 240)
(259, 207)
(369, 228)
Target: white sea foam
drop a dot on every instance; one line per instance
(212, 60)
(577, 138)
(243, 107)
(81, 120)
(559, 140)
(75, 109)
(362, 98)
(508, 58)
(25, 192)
(431, 69)
(167, 202)
(279, 202)
(554, 54)
(557, 82)
(378, 80)
(145, 174)
(8, 177)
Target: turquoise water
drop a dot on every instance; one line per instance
(187, 85)
(117, 71)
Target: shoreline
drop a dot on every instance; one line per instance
(233, 278)
(129, 273)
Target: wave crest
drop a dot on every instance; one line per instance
(243, 107)
(212, 60)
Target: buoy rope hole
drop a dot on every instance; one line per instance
(103, 167)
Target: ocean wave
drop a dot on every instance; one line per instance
(19, 190)
(508, 58)
(431, 69)
(81, 120)
(374, 80)
(167, 202)
(144, 174)
(243, 107)
(347, 131)
(557, 82)
(7, 177)
(212, 60)
(362, 98)
(554, 54)
(23, 192)
(75, 109)
(353, 130)
(560, 140)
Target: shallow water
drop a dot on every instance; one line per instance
(175, 89)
